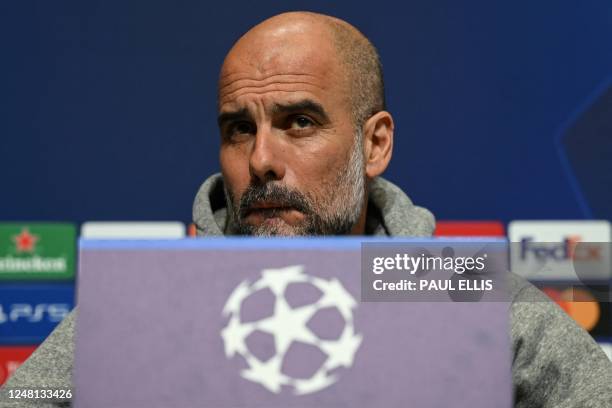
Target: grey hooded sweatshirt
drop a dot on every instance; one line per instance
(555, 362)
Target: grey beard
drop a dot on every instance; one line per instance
(336, 214)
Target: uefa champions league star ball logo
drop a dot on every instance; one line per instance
(288, 325)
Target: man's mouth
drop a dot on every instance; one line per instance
(268, 209)
(266, 205)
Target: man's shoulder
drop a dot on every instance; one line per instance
(534, 317)
(555, 362)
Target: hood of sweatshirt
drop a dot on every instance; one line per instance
(390, 211)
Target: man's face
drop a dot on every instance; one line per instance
(291, 158)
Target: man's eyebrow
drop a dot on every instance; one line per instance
(306, 105)
(230, 116)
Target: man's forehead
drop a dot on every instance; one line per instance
(279, 57)
(273, 86)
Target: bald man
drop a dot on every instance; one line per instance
(304, 139)
(303, 131)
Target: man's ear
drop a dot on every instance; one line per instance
(378, 140)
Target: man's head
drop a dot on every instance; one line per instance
(303, 127)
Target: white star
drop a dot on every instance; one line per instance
(336, 295)
(266, 373)
(342, 352)
(287, 325)
(233, 336)
(278, 279)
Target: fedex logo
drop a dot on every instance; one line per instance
(566, 250)
(34, 313)
(560, 250)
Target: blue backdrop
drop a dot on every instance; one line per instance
(503, 109)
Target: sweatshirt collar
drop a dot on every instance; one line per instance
(390, 211)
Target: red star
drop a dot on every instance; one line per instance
(25, 242)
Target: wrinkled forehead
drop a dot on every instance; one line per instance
(281, 63)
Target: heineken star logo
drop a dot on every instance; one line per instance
(25, 241)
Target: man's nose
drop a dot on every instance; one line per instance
(265, 162)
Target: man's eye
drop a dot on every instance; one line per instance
(301, 122)
(240, 128)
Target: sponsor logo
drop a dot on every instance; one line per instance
(35, 264)
(576, 251)
(29, 312)
(566, 250)
(578, 303)
(11, 358)
(290, 327)
(37, 251)
(25, 242)
(34, 313)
